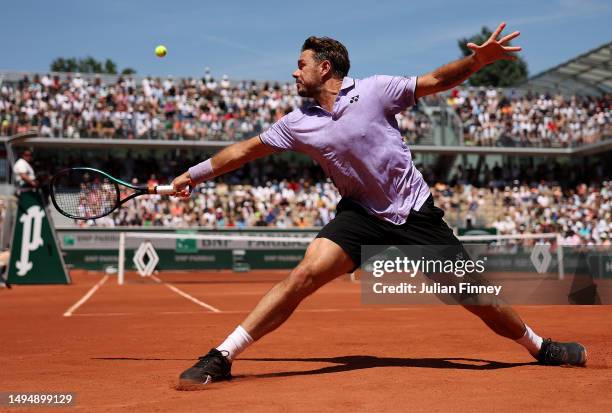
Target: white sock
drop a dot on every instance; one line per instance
(236, 343)
(531, 341)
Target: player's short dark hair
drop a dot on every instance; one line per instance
(326, 48)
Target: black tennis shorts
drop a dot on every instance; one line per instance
(353, 227)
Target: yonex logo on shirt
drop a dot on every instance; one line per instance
(354, 99)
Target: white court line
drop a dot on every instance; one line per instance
(101, 314)
(187, 296)
(86, 297)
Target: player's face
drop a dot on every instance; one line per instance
(308, 74)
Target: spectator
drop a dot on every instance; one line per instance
(24, 173)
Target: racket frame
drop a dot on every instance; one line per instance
(138, 190)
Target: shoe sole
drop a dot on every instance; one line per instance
(193, 385)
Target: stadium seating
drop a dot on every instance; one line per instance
(492, 117)
(187, 108)
(510, 199)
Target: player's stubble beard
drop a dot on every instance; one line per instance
(308, 92)
(303, 91)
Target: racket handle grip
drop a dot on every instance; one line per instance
(165, 190)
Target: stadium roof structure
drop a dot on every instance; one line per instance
(213, 146)
(587, 74)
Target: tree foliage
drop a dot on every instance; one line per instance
(87, 65)
(503, 73)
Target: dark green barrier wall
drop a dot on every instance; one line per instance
(210, 259)
(96, 249)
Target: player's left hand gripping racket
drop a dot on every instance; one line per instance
(87, 193)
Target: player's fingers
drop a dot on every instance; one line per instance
(498, 31)
(178, 191)
(513, 49)
(509, 37)
(473, 46)
(179, 185)
(184, 193)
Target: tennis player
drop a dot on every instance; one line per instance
(351, 131)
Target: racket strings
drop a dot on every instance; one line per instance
(85, 194)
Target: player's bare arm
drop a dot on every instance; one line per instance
(455, 73)
(228, 159)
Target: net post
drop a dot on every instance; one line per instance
(121, 259)
(560, 263)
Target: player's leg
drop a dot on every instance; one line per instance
(336, 251)
(498, 315)
(324, 260)
(428, 228)
(503, 320)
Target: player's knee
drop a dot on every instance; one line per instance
(301, 281)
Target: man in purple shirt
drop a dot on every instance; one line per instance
(351, 131)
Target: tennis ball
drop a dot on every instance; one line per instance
(161, 51)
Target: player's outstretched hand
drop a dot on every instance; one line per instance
(182, 185)
(494, 49)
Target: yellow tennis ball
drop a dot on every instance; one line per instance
(161, 51)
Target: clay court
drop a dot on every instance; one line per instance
(122, 347)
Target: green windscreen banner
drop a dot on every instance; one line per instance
(97, 248)
(35, 256)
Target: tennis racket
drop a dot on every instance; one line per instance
(88, 193)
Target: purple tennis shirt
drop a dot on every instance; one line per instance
(359, 145)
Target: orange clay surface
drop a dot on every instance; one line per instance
(125, 346)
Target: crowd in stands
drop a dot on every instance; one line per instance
(494, 117)
(279, 204)
(582, 214)
(294, 193)
(75, 106)
(155, 108)
(530, 173)
(572, 199)
(548, 197)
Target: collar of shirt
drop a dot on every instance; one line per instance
(347, 84)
